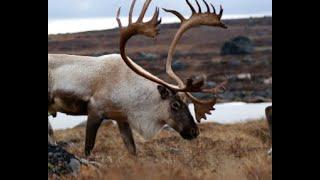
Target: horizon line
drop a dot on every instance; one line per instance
(77, 25)
(265, 13)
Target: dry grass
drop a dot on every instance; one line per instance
(221, 152)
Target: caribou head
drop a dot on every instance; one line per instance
(176, 95)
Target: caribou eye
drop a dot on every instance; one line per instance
(175, 105)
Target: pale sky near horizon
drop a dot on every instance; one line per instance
(68, 9)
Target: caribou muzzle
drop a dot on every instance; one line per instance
(190, 133)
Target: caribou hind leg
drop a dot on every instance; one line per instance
(126, 135)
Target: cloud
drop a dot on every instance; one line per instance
(66, 9)
(83, 5)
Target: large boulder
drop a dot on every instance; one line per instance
(61, 162)
(237, 46)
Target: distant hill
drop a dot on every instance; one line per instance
(250, 76)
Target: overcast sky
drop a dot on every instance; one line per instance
(66, 9)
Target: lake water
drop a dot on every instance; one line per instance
(90, 24)
(225, 113)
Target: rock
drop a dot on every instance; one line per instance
(178, 65)
(148, 56)
(234, 63)
(268, 81)
(74, 164)
(61, 162)
(240, 77)
(237, 46)
(244, 76)
(211, 84)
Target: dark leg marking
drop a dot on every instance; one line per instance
(93, 124)
(126, 135)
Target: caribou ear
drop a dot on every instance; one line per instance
(164, 92)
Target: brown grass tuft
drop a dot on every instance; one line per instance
(236, 151)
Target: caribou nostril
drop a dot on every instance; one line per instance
(195, 132)
(192, 131)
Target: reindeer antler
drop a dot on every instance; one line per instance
(149, 29)
(197, 18)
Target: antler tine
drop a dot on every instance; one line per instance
(200, 11)
(214, 9)
(144, 10)
(148, 29)
(202, 107)
(221, 12)
(175, 13)
(159, 22)
(191, 7)
(207, 5)
(131, 11)
(155, 17)
(185, 25)
(118, 18)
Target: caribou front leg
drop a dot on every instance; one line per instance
(51, 139)
(93, 124)
(126, 135)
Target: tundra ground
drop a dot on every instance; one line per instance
(237, 151)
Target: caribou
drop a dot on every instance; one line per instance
(268, 113)
(115, 87)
